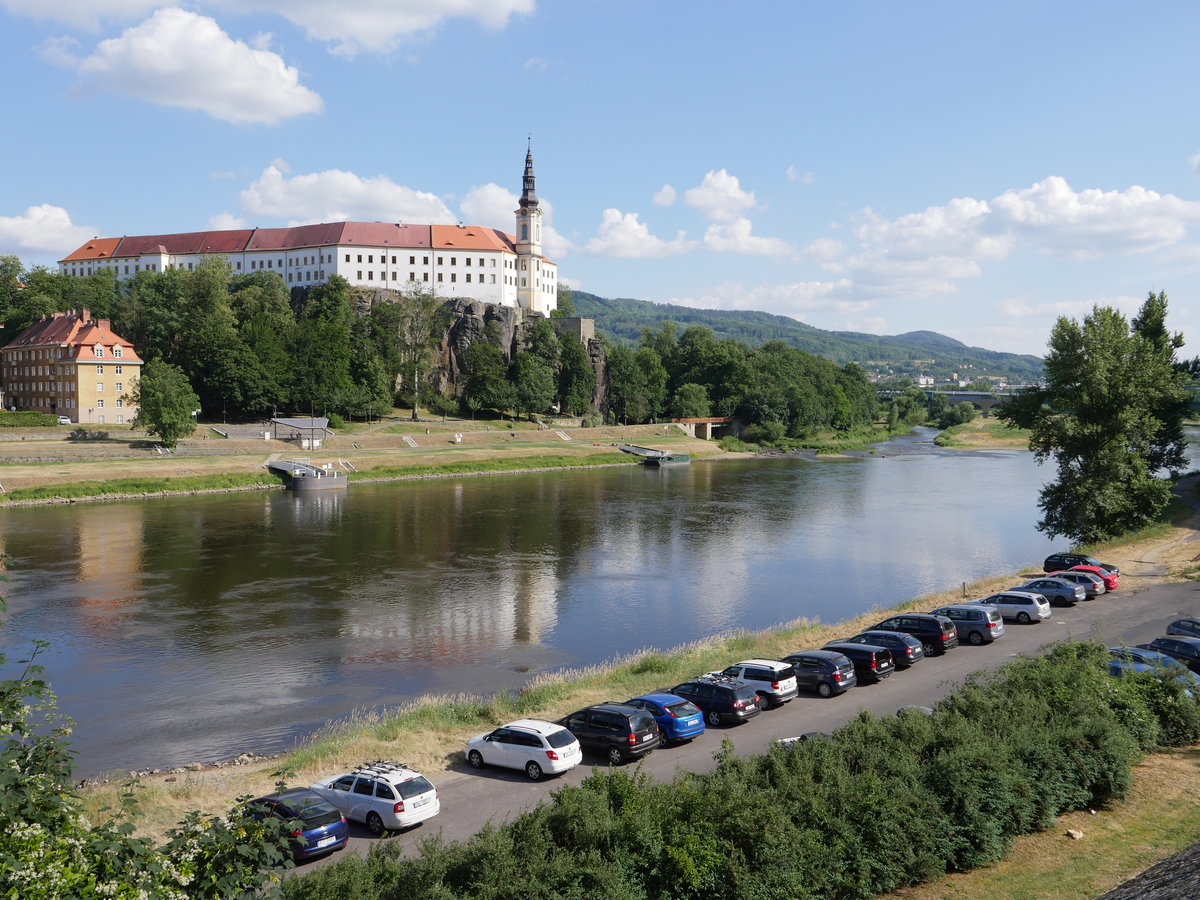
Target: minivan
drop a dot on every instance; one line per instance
(976, 624)
(617, 730)
(937, 634)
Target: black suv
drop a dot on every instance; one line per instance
(1058, 562)
(872, 663)
(937, 634)
(724, 701)
(825, 671)
(619, 731)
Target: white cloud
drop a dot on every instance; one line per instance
(1194, 162)
(81, 13)
(735, 237)
(782, 299)
(60, 51)
(536, 64)
(719, 197)
(664, 196)
(225, 221)
(178, 58)
(794, 174)
(1075, 309)
(352, 26)
(43, 229)
(622, 235)
(334, 195)
(1056, 220)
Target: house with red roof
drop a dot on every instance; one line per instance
(69, 364)
(452, 261)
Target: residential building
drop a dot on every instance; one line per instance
(452, 261)
(69, 364)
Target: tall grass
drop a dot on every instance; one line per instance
(463, 467)
(138, 486)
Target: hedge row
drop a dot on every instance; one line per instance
(883, 803)
(25, 419)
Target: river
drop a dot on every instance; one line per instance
(192, 629)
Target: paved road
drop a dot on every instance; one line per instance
(1130, 615)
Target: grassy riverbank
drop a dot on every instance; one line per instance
(429, 732)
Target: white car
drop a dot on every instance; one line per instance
(65, 420)
(1024, 606)
(382, 795)
(774, 681)
(533, 745)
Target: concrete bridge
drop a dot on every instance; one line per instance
(981, 400)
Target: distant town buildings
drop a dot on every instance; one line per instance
(69, 364)
(450, 260)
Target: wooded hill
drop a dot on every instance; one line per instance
(917, 352)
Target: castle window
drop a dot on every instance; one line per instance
(117, 369)
(439, 277)
(468, 278)
(393, 260)
(371, 258)
(454, 260)
(424, 276)
(412, 260)
(371, 276)
(424, 260)
(348, 258)
(360, 257)
(412, 276)
(453, 277)
(358, 275)
(98, 350)
(439, 260)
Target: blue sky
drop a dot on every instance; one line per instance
(970, 168)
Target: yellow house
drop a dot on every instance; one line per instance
(72, 366)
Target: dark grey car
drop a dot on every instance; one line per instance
(826, 672)
(977, 624)
(1055, 590)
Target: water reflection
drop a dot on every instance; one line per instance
(195, 628)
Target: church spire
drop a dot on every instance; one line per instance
(529, 198)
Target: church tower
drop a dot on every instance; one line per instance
(529, 241)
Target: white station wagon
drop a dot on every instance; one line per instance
(533, 745)
(1024, 606)
(382, 795)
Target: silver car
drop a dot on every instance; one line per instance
(1024, 606)
(976, 623)
(1093, 585)
(1064, 593)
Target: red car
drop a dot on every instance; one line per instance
(1110, 578)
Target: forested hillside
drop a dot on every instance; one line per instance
(916, 352)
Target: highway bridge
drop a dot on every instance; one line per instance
(981, 400)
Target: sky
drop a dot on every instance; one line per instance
(976, 169)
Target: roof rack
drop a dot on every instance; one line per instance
(717, 677)
(381, 767)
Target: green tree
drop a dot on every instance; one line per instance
(576, 378)
(566, 303)
(487, 385)
(1167, 446)
(1099, 418)
(690, 401)
(165, 402)
(534, 382)
(421, 319)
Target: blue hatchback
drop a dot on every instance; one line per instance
(678, 719)
(323, 829)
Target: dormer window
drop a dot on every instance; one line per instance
(117, 351)
(98, 350)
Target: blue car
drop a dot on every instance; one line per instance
(678, 719)
(1141, 659)
(324, 828)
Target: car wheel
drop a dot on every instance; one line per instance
(975, 638)
(475, 758)
(533, 770)
(764, 702)
(614, 756)
(1023, 618)
(824, 690)
(712, 717)
(927, 647)
(374, 823)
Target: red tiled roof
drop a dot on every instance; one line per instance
(96, 248)
(469, 237)
(78, 330)
(381, 234)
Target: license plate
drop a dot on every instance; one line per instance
(646, 737)
(690, 722)
(750, 707)
(421, 802)
(325, 842)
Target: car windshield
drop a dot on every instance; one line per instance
(414, 787)
(683, 708)
(746, 693)
(785, 673)
(560, 739)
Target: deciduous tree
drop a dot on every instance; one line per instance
(165, 402)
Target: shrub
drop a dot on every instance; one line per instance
(25, 418)
(336, 421)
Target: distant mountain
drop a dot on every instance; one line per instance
(913, 353)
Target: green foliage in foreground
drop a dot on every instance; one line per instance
(50, 851)
(135, 486)
(884, 803)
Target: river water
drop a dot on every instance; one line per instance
(192, 629)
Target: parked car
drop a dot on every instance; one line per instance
(1142, 659)
(937, 634)
(323, 827)
(1056, 562)
(724, 701)
(1111, 579)
(1057, 591)
(905, 648)
(533, 745)
(678, 719)
(1177, 646)
(825, 671)
(622, 733)
(384, 796)
(65, 420)
(773, 680)
(1189, 627)
(976, 624)
(1023, 606)
(872, 663)
(1093, 585)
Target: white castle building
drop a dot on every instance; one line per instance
(451, 260)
